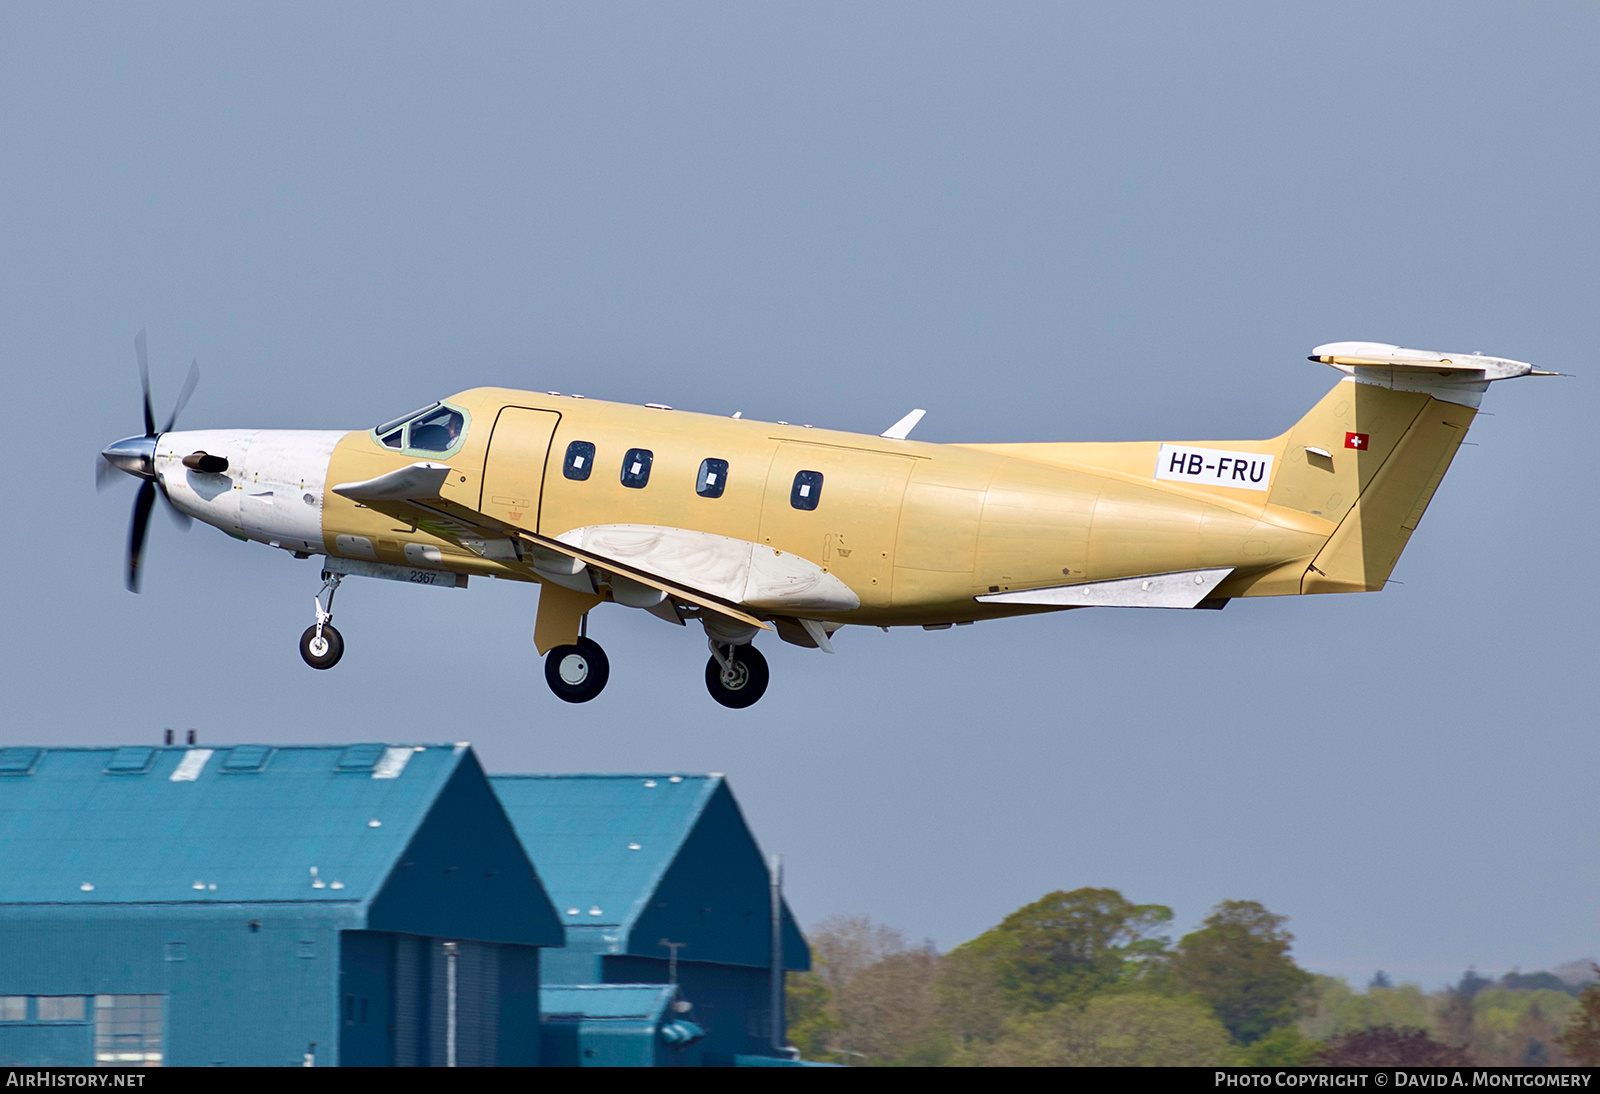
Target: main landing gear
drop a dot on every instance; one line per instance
(736, 676)
(321, 645)
(577, 673)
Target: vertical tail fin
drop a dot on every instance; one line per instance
(1363, 550)
(1370, 455)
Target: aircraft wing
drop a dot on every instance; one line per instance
(411, 494)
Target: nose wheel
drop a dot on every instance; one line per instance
(577, 673)
(321, 646)
(322, 650)
(736, 676)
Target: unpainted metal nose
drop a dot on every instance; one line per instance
(135, 455)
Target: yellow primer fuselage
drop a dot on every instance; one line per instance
(919, 531)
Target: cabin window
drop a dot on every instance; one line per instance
(713, 479)
(436, 431)
(579, 461)
(807, 490)
(395, 439)
(636, 467)
(13, 1008)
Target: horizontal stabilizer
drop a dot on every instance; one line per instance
(1382, 355)
(1180, 590)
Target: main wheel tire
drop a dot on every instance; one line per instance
(745, 680)
(577, 673)
(324, 652)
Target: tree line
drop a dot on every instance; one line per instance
(1088, 977)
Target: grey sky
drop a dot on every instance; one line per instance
(1049, 222)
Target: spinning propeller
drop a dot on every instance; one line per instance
(137, 457)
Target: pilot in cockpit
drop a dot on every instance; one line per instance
(438, 431)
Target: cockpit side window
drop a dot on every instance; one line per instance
(436, 431)
(436, 428)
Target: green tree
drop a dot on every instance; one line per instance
(1335, 1008)
(1284, 1047)
(1517, 1028)
(811, 1021)
(1114, 1030)
(1581, 1039)
(1457, 1016)
(971, 1003)
(1239, 964)
(1064, 947)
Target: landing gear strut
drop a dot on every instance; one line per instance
(736, 676)
(322, 646)
(577, 673)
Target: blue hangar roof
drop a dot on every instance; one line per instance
(405, 837)
(632, 859)
(607, 1000)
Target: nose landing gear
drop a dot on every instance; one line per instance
(736, 676)
(577, 673)
(321, 646)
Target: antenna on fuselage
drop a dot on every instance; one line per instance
(902, 429)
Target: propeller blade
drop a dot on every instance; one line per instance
(183, 396)
(103, 472)
(144, 382)
(179, 517)
(138, 530)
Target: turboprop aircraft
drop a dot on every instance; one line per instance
(745, 527)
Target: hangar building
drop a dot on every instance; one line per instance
(658, 881)
(262, 905)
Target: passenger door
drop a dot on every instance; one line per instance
(513, 471)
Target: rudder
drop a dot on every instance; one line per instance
(1363, 550)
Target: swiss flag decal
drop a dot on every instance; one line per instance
(1356, 440)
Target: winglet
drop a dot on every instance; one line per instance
(902, 429)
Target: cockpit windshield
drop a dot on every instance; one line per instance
(434, 428)
(403, 419)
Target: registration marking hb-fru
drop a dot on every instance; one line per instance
(1214, 467)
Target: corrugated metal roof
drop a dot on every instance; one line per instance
(602, 842)
(247, 823)
(606, 1000)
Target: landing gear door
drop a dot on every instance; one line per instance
(513, 473)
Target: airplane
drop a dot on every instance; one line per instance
(748, 527)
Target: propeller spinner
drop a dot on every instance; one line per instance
(136, 456)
